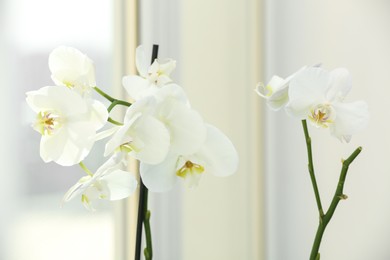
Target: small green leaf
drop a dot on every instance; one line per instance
(318, 256)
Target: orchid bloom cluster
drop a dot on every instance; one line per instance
(318, 95)
(160, 129)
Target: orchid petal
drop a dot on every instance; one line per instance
(186, 126)
(218, 153)
(310, 83)
(307, 88)
(77, 189)
(171, 91)
(69, 146)
(160, 177)
(135, 86)
(145, 106)
(299, 107)
(71, 68)
(121, 184)
(350, 119)
(167, 65)
(340, 84)
(151, 140)
(56, 98)
(99, 114)
(106, 133)
(51, 148)
(120, 137)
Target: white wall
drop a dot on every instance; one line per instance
(355, 35)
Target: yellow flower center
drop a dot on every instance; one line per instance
(68, 84)
(191, 172)
(47, 123)
(322, 115)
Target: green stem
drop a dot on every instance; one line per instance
(311, 169)
(118, 102)
(338, 195)
(104, 94)
(86, 170)
(112, 121)
(113, 101)
(148, 251)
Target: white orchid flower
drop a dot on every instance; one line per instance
(142, 135)
(67, 123)
(109, 182)
(216, 156)
(276, 91)
(318, 95)
(158, 123)
(71, 68)
(151, 77)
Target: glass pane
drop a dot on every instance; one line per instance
(33, 222)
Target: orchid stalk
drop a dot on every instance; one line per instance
(143, 212)
(318, 95)
(324, 218)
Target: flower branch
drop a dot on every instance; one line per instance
(114, 101)
(311, 169)
(324, 221)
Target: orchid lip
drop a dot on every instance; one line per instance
(189, 168)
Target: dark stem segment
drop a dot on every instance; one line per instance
(143, 197)
(311, 169)
(338, 195)
(143, 213)
(154, 53)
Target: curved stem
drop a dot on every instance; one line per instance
(338, 195)
(112, 121)
(118, 102)
(113, 101)
(311, 169)
(104, 94)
